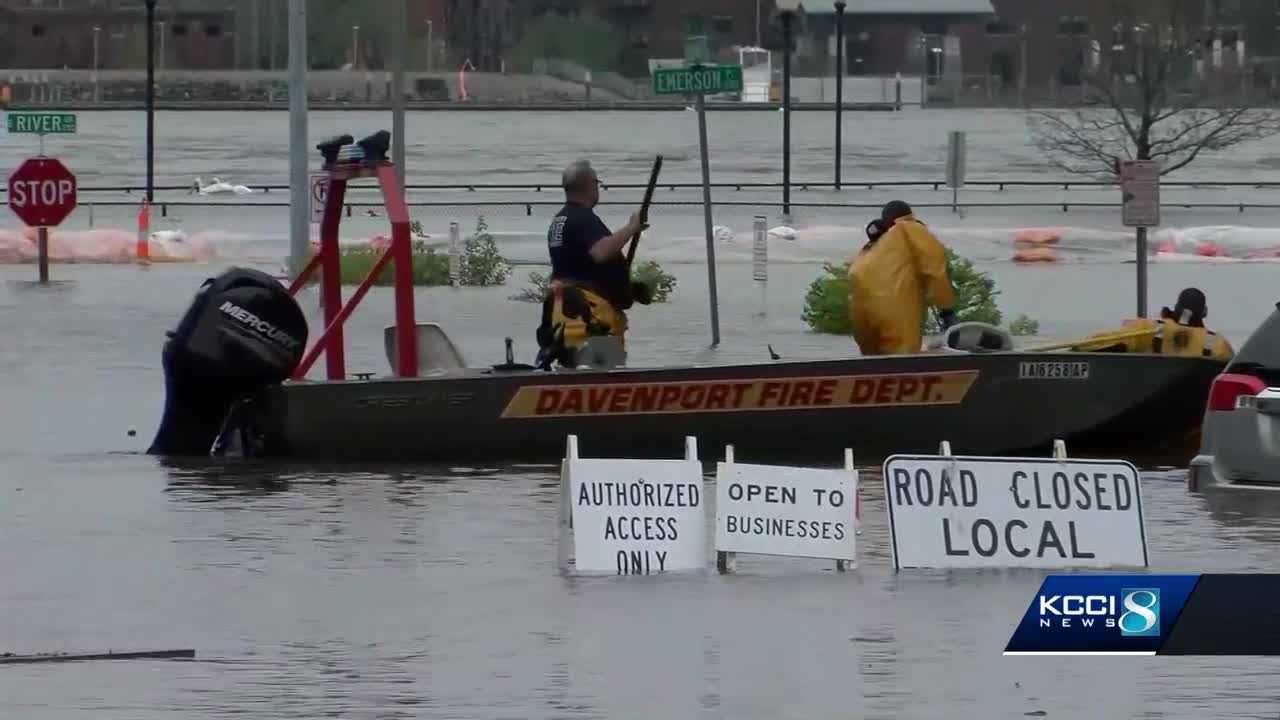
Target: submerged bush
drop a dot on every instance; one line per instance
(429, 266)
(482, 264)
(660, 282)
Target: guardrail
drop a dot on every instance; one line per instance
(738, 186)
(529, 206)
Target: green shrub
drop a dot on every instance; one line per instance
(429, 267)
(649, 272)
(536, 292)
(826, 303)
(661, 283)
(1023, 325)
(975, 295)
(482, 264)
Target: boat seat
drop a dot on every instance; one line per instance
(602, 352)
(435, 350)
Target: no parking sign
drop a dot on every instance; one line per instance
(318, 191)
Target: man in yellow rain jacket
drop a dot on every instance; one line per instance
(1179, 331)
(590, 286)
(898, 275)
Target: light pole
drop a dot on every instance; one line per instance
(97, 94)
(399, 47)
(1022, 62)
(431, 45)
(151, 99)
(758, 40)
(788, 9)
(299, 190)
(355, 47)
(840, 5)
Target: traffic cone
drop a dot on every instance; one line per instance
(144, 233)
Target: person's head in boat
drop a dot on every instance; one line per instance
(893, 211)
(1190, 310)
(581, 184)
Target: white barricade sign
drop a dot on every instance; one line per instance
(636, 517)
(790, 511)
(978, 512)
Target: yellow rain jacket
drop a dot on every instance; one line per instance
(892, 282)
(1162, 337)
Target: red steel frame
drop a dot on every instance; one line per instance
(328, 261)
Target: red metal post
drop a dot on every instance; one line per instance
(402, 251)
(331, 278)
(305, 275)
(335, 325)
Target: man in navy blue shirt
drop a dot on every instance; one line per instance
(590, 278)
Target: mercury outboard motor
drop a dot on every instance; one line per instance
(242, 333)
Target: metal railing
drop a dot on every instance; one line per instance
(527, 207)
(1002, 185)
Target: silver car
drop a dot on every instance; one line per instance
(1240, 438)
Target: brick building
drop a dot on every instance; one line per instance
(76, 33)
(1041, 43)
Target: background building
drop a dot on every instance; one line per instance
(111, 34)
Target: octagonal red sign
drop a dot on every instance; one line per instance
(42, 192)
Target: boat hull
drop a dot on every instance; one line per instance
(988, 404)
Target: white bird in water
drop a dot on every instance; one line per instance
(219, 187)
(165, 236)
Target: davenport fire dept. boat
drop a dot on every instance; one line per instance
(236, 364)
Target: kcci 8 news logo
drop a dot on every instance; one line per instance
(1120, 614)
(1135, 611)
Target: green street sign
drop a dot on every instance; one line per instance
(699, 79)
(42, 123)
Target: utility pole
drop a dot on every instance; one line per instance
(476, 60)
(299, 190)
(151, 99)
(399, 43)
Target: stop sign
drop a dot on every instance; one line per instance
(42, 192)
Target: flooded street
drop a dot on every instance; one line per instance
(433, 592)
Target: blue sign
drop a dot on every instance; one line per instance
(1102, 614)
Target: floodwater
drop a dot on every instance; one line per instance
(432, 592)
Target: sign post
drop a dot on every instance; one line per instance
(955, 166)
(700, 79)
(42, 193)
(760, 261)
(1140, 198)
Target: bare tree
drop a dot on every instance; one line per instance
(1150, 93)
